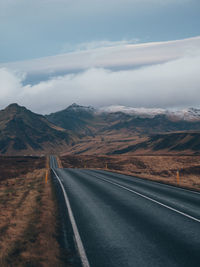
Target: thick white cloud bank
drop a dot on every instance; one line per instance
(171, 84)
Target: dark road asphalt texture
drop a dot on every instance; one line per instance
(126, 221)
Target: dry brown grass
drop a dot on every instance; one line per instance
(19, 166)
(59, 162)
(157, 168)
(28, 222)
(103, 144)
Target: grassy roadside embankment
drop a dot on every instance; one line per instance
(28, 219)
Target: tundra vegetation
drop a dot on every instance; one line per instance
(28, 217)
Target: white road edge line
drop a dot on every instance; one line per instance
(166, 185)
(151, 199)
(79, 243)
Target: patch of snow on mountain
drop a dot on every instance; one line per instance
(190, 114)
(76, 107)
(150, 112)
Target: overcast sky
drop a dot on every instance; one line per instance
(114, 52)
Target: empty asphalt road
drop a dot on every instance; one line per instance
(125, 221)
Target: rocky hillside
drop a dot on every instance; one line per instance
(22, 132)
(187, 142)
(87, 121)
(78, 119)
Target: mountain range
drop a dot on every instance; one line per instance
(190, 114)
(110, 130)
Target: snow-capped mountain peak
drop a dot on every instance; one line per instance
(150, 112)
(190, 114)
(76, 107)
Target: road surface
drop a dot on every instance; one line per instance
(125, 221)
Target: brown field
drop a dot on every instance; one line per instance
(28, 221)
(103, 144)
(11, 167)
(158, 168)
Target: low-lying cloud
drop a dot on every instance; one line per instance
(119, 55)
(171, 84)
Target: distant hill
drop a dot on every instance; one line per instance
(188, 142)
(87, 121)
(22, 132)
(188, 114)
(78, 119)
(156, 124)
(85, 130)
